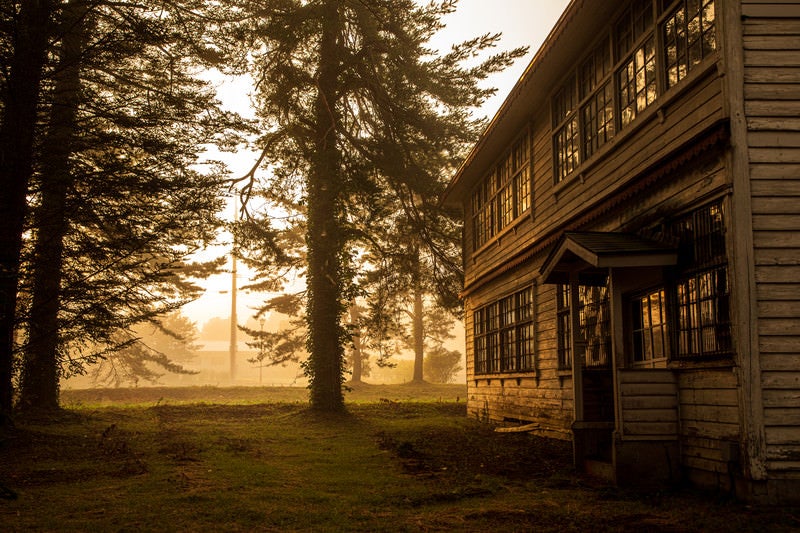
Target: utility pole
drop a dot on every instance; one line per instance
(234, 327)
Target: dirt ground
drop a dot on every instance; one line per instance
(387, 465)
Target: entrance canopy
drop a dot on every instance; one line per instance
(592, 253)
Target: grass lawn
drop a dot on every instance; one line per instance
(160, 460)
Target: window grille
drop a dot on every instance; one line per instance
(504, 334)
(504, 195)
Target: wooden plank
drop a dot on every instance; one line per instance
(630, 375)
(785, 57)
(780, 326)
(770, 91)
(778, 274)
(774, 256)
(709, 429)
(774, 10)
(703, 464)
(781, 380)
(708, 379)
(779, 123)
(650, 428)
(769, 108)
(783, 435)
(772, 42)
(778, 291)
(776, 187)
(650, 415)
(787, 452)
(770, 171)
(709, 397)
(774, 155)
(783, 466)
(782, 416)
(649, 402)
(782, 398)
(710, 413)
(776, 205)
(771, 27)
(786, 309)
(647, 389)
(774, 138)
(777, 344)
(776, 239)
(761, 74)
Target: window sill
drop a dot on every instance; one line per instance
(505, 375)
(721, 362)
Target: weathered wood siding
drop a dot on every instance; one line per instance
(671, 123)
(648, 404)
(709, 418)
(772, 104)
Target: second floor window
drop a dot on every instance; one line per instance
(504, 195)
(648, 51)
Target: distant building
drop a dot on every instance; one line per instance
(632, 244)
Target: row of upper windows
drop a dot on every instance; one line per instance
(649, 51)
(653, 45)
(504, 195)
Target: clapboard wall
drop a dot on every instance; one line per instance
(771, 39)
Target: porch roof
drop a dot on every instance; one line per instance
(591, 253)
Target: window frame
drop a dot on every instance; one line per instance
(638, 76)
(504, 335)
(504, 195)
(598, 340)
(701, 317)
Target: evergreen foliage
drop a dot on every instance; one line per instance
(365, 121)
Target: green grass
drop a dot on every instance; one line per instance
(384, 466)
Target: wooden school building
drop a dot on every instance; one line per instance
(632, 244)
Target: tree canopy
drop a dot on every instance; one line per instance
(362, 118)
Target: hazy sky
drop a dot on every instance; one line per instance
(522, 23)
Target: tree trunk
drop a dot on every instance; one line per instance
(40, 370)
(16, 164)
(418, 324)
(324, 234)
(419, 335)
(357, 354)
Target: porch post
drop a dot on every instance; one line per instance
(578, 346)
(617, 339)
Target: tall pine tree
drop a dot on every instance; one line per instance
(354, 103)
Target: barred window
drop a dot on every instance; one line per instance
(595, 326)
(504, 195)
(595, 320)
(702, 296)
(504, 334)
(689, 37)
(563, 327)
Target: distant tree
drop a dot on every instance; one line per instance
(216, 329)
(442, 365)
(355, 105)
(143, 353)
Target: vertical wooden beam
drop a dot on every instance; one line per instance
(616, 310)
(578, 347)
(740, 243)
